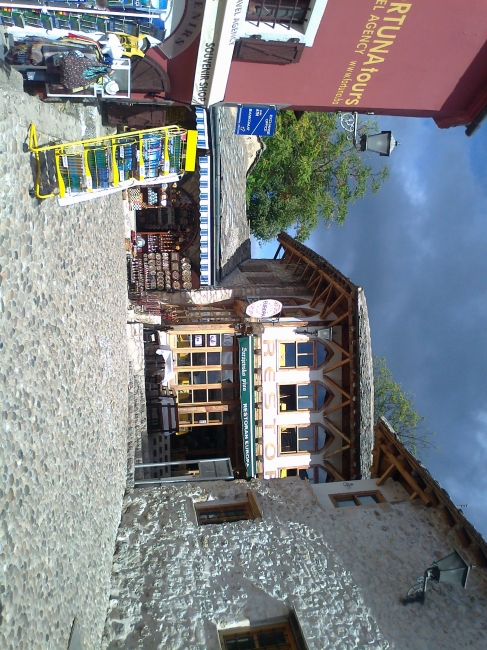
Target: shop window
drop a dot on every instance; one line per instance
(314, 474)
(205, 340)
(302, 397)
(302, 354)
(190, 359)
(277, 12)
(356, 499)
(199, 377)
(206, 417)
(199, 396)
(229, 393)
(216, 512)
(305, 439)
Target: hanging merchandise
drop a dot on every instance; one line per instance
(78, 71)
(159, 267)
(110, 163)
(138, 23)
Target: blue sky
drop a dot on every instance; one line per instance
(419, 250)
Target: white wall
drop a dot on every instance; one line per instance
(392, 491)
(272, 419)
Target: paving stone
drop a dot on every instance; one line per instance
(64, 377)
(234, 227)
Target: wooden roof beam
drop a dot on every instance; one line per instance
(316, 291)
(320, 296)
(276, 256)
(314, 279)
(333, 471)
(340, 286)
(335, 451)
(330, 381)
(304, 272)
(376, 458)
(336, 430)
(346, 352)
(339, 319)
(386, 474)
(406, 475)
(289, 259)
(337, 407)
(327, 310)
(336, 365)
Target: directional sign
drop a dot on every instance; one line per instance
(256, 120)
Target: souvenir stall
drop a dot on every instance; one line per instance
(130, 17)
(82, 170)
(81, 52)
(167, 224)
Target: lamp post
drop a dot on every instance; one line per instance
(451, 569)
(382, 143)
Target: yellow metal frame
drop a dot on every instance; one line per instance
(191, 146)
(109, 143)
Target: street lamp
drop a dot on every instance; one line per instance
(451, 569)
(382, 143)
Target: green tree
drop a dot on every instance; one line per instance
(395, 404)
(309, 171)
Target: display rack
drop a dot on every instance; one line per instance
(159, 266)
(116, 161)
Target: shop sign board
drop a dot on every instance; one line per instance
(187, 29)
(247, 402)
(379, 55)
(219, 31)
(206, 54)
(256, 120)
(264, 309)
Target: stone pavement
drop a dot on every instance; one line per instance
(63, 390)
(234, 227)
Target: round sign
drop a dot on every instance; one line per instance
(264, 308)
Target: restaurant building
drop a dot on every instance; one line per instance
(289, 395)
(314, 388)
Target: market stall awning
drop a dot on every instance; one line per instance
(205, 198)
(247, 402)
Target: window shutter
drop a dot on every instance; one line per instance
(255, 50)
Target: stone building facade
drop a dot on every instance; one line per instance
(338, 574)
(308, 407)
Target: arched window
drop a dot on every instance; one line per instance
(303, 397)
(303, 354)
(302, 439)
(314, 474)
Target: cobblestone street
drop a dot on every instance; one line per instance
(234, 227)
(63, 390)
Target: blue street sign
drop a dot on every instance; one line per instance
(256, 120)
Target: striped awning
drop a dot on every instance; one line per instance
(205, 199)
(201, 127)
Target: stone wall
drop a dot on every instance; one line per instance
(265, 275)
(343, 572)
